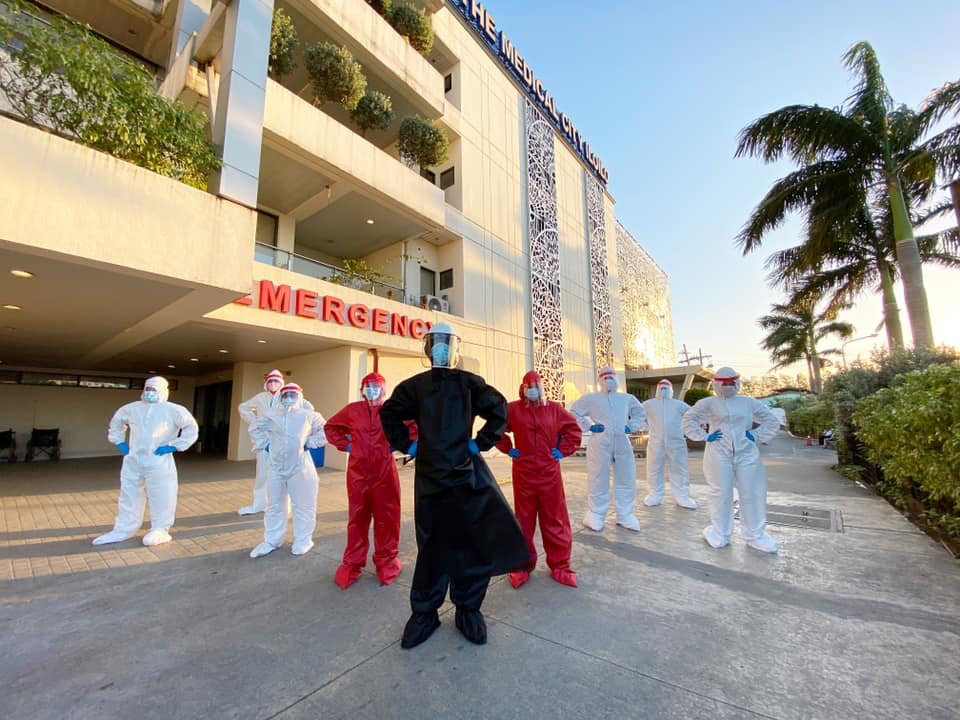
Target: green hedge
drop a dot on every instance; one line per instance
(694, 394)
(811, 418)
(911, 431)
(64, 78)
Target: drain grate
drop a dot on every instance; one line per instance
(803, 517)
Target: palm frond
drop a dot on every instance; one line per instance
(941, 103)
(870, 100)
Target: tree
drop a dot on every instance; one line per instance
(793, 334)
(850, 247)
(373, 112)
(942, 103)
(414, 25)
(334, 74)
(283, 44)
(867, 143)
(381, 6)
(422, 142)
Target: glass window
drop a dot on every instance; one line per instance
(428, 281)
(9, 377)
(447, 179)
(448, 83)
(31, 378)
(446, 279)
(428, 175)
(116, 383)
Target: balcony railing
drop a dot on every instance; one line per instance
(287, 260)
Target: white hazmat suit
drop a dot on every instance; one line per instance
(732, 458)
(667, 446)
(251, 410)
(149, 474)
(608, 415)
(284, 433)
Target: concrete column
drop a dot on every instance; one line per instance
(247, 382)
(238, 126)
(286, 233)
(190, 17)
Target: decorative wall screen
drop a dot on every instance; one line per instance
(644, 305)
(599, 284)
(542, 222)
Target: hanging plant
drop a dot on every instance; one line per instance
(414, 25)
(422, 142)
(373, 112)
(334, 75)
(283, 45)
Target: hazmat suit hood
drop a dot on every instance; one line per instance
(665, 390)
(272, 376)
(608, 380)
(721, 383)
(159, 384)
(371, 381)
(532, 381)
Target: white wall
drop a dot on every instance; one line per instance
(82, 414)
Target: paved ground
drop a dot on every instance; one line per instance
(864, 623)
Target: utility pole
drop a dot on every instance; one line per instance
(702, 356)
(684, 355)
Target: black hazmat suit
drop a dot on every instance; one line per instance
(466, 532)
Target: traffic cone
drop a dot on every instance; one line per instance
(809, 441)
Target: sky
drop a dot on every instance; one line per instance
(661, 90)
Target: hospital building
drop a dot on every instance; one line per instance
(317, 248)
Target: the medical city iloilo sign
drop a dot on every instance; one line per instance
(485, 26)
(311, 305)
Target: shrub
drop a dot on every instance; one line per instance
(334, 74)
(373, 112)
(422, 142)
(414, 25)
(912, 432)
(381, 6)
(811, 418)
(694, 394)
(283, 44)
(66, 79)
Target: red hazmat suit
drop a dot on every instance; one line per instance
(373, 485)
(540, 426)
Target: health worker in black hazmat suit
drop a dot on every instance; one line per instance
(466, 532)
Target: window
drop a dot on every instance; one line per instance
(428, 175)
(447, 179)
(9, 377)
(114, 383)
(30, 378)
(428, 281)
(448, 83)
(446, 279)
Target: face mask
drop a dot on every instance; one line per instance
(440, 354)
(151, 396)
(532, 394)
(666, 393)
(288, 400)
(726, 391)
(610, 384)
(371, 392)
(272, 387)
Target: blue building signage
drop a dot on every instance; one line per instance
(485, 26)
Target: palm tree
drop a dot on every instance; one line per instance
(793, 333)
(845, 254)
(867, 143)
(945, 102)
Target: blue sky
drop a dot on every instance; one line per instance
(660, 91)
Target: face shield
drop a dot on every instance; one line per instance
(726, 383)
(373, 389)
(665, 390)
(290, 396)
(441, 349)
(608, 380)
(531, 389)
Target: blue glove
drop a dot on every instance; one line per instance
(514, 453)
(627, 430)
(124, 448)
(472, 445)
(557, 455)
(349, 445)
(596, 428)
(412, 450)
(714, 436)
(750, 437)
(164, 450)
(267, 448)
